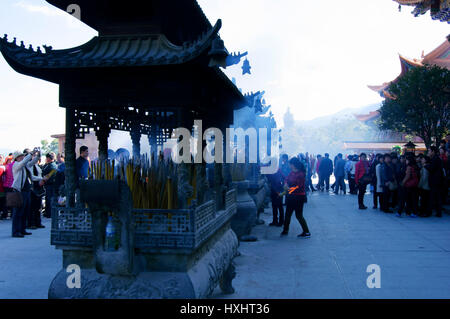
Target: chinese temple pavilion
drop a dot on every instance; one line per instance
(154, 67)
(439, 56)
(151, 69)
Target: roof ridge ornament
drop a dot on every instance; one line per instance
(246, 67)
(234, 58)
(47, 48)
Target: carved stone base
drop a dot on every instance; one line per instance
(245, 217)
(226, 281)
(199, 281)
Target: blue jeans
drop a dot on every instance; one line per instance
(340, 183)
(19, 215)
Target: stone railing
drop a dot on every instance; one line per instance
(154, 229)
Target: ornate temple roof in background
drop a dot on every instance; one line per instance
(439, 9)
(439, 56)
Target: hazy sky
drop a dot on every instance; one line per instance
(316, 57)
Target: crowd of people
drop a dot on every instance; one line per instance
(411, 184)
(28, 187)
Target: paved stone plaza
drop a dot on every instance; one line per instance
(27, 265)
(414, 256)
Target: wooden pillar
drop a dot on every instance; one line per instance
(102, 136)
(70, 159)
(136, 139)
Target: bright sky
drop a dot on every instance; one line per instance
(316, 57)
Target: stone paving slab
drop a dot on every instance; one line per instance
(413, 254)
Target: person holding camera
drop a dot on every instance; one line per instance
(23, 163)
(37, 192)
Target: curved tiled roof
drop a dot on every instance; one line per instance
(106, 51)
(439, 56)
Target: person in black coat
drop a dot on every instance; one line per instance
(436, 180)
(276, 188)
(387, 177)
(325, 171)
(373, 174)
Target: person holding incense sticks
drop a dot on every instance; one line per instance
(295, 197)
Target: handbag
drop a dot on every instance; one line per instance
(14, 199)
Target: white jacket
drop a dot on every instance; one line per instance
(378, 173)
(20, 174)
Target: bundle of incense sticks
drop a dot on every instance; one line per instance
(153, 184)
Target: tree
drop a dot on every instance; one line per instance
(47, 147)
(418, 104)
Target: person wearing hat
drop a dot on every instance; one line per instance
(23, 162)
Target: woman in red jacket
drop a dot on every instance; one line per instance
(361, 173)
(295, 197)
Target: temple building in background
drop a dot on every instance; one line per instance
(89, 140)
(439, 9)
(439, 56)
(387, 140)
